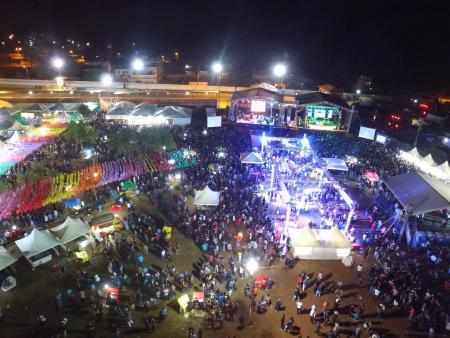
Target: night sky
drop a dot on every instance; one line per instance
(403, 44)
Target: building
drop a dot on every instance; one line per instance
(150, 74)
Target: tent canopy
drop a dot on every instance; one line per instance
(336, 164)
(14, 139)
(303, 237)
(5, 104)
(5, 111)
(174, 112)
(419, 193)
(36, 108)
(36, 242)
(17, 126)
(6, 259)
(337, 240)
(71, 229)
(252, 158)
(122, 108)
(206, 197)
(144, 109)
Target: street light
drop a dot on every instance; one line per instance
(137, 65)
(106, 79)
(279, 70)
(252, 265)
(57, 63)
(217, 68)
(358, 91)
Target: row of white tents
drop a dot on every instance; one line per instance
(427, 164)
(39, 242)
(319, 244)
(149, 114)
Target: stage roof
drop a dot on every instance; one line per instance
(335, 164)
(419, 193)
(318, 97)
(256, 93)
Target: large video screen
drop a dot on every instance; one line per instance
(214, 121)
(258, 106)
(381, 138)
(367, 133)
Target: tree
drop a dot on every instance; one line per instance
(156, 139)
(80, 134)
(124, 143)
(36, 172)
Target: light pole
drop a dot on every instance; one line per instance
(58, 64)
(252, 266)
(217, 69)
(279, 70)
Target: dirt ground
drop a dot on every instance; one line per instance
(36, 290)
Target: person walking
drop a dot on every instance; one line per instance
(241, 321)
(283, 319)
(313, 312)
(299, 306)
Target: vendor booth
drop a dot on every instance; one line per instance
(36, 247)
(70, 230)
(6, 259)
(206, 197)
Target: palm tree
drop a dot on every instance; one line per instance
(80, 134)
(124, 143)
(36, 172)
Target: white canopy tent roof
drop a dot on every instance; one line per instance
(174, 112)
(252, 158)
(337, 240)
(14, 139)
(419, 193)
(121, 110)
(17, 126)
(206, 197)
(36, 242)
(144, 109)
(6, 259)
(71, 229)
(303, 237)
(335, 164)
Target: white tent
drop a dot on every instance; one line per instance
(429, 160)
(337, 240)
(336, 164)
(414, 154)
(14, 139)
(252, 158)
(36, 242)
(6, 259)
(121, 110)
(419, 193)
(304, 243)
(206, 197)
(444, 169)
(179, 116)
(71, 229)
(17, 126)
(334, 244)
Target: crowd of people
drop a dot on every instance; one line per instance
(239, 228)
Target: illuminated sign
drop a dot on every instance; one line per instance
(321, 112)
